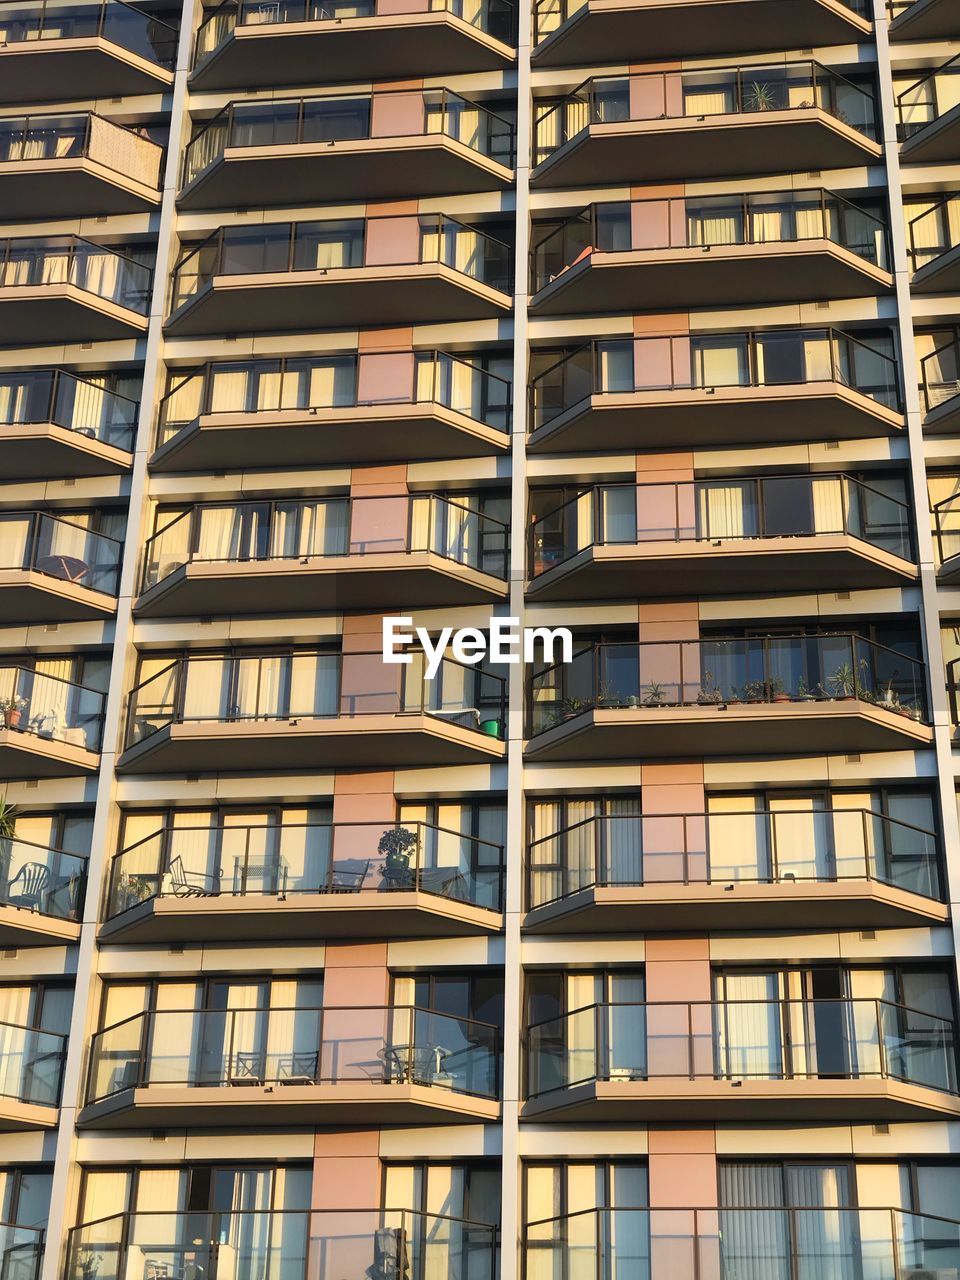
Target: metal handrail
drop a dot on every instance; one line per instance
(57, 379)
(904, 106)
(34, 123)
(940, 211)
(24, 679)
(931, 387)
(34, 551)
(43, 899)
(74, 247)
(102, 27)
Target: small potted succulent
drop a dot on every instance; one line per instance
(843, 683)
(13, 709)
(654, 694)
(778, 690)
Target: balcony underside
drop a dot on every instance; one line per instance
(948, 574)
(293, 746)
(360, 169)
(336, 299)
(20, 1117)
(945, 418)
(301, 437)
(29, 596)
(273, 917)
(321, 584)
(74, 70)
(42, 450)
(828, 562)
(737, 729)
(804, 271)
(352, 1102)
(23, 927)
(79, 187)
(926, 20)
(942, 275)
(298, 53)
(802, 904)
(710, 146)
(936, 143)
(27, 755)
(603, 29)
(54, 313)
(707, 418)
(674, 1098)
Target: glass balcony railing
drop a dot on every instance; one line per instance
(746, 1040)
(760, 669)
(300, 529)
(931, 97)
(720, 91)
(550, 15)
(953, 689)
(121, 24)
(232, 688)
(42, 543)
(337, 382)
(343, 244)
(946, 528)
(774, 1242)
(289, 1243)
(940, 376)
(496, 18)
(752, 847)
(747, 508)
(774, 358)
(31, 1065)
(935, 232)
(21, 1251)
(301, 121)
(362, 858)
(35, 703)
(33, 262)
(45, 137)
(209, 1048)
(35, 396)
(709, 222)
(48, 881)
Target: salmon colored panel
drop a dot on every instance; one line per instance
(397, 115)
(370, 806)
(361, 784)
(362, 633)
(661, 362)
(677, 322)
(650, 224)
(678, 948)
(379, 524)
(354, 974)
(683, 1181)
(682, 798)
(666, 466)
(658, 517)
(402, 6)
(647, 97)
(679, 980)
(672, 775)
(392, 241)
(385, 377)
(346, 1171)
(671, 1140)
(368, 685)
(399, 339)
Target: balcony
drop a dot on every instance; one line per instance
(705, 390)
(590, 32)
(775, 1242)
(346, 880)
(934, 240)
(31, 1071)
(53, 570)
(388, 145)
(712, 537)
(51, 728)
(295, 42)
(294, 1244)
(940, 388)
(75, 164)
(54, 424)
(405, 269)
(825, 868)
(73, 51)
(56, 289)
(323, 555)
(21, 1250)
(946, 532)
(311, 710)
(766, 695)
(921, 19)
(780, 247)
(719, 123)
(929, 117)
(361, 407)
(302, 1066)
(763, 1060)
(41, 894)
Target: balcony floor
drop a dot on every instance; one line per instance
(29, 596)
(827, 562)
(27, 755)
(925, 20)
(22, 927)
(603, 29)
(942, 275)
(320, 584)
(708, 418)
(291, 746)
(381, 48)
(804, 271)
(29, 314)
(351, 1103)
(20, 1117)
(742, 729)
(301, 437)
(704, 1099)
(41, 450)
(936, 143)
(801, 904)
(75, 70)
(711, 147)
(339, 298)
(945, 418)
(356, 169)
(78, 186)
(272, 917)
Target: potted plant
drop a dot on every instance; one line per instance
(709, 695)
(753, 691)
(572, 707)
(803, 694)
(778, 690)
(889, 698)
(131, 890)
(13, 709)
(843, 682)
(8, 818)
(395, 846)
(654, 694)
(760, 97)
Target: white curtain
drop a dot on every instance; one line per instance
(749, 1032)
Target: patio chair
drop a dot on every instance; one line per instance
(247, 1069)
(347, 877)
(192, 884)
(28, 886)
(299, 1068)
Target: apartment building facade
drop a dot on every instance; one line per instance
(635, 317)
